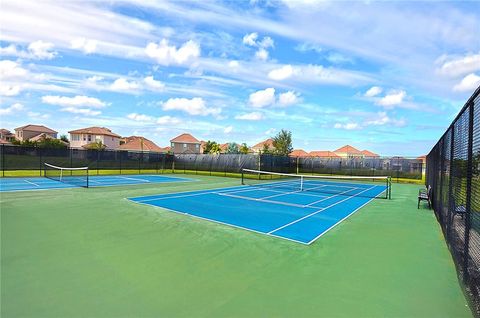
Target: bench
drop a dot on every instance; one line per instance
(425, 195)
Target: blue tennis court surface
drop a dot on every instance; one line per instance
(40, 183)
(298, 215)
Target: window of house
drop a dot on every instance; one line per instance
(197, 146)
(184, 145)
(173, 144)
(89, 137)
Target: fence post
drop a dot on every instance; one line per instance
(469, 192)
(39, 151)
(3, 160)
(450, 185)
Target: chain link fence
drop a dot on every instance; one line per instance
(17, 158)
(453, 172)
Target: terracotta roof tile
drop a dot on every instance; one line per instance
(186, 138)
(95, 131)
(259, 146)
(136, 143)
(348, 149)
(298, 153)
(323, 153)
(39, 128)
(368, 153)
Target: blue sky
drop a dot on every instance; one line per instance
(385, 76)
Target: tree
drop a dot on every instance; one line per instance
(208, 146)
(97, 145)
(266, 149)
(243, 148)
(215, 149)
(232, 147)
(64, 138)
(283, 143)
(51, 143)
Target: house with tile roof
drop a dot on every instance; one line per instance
(29, 131)
(369, 154)
(137, 143)
(323, 154)
(81, 138)
(298, 153)
(185, 143)
(348, 151)
(6, 135)
(258, 148)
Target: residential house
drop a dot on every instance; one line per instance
(298, 153)
(348, 151)
(80, 138)
(258, 148)
(136, 143)
(185, 143)
(323, 154)
(6, 136)
(29, 131)
(369, 154)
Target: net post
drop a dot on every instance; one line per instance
(301, 183)
(389, 187)
(87, 179)
(243, 183)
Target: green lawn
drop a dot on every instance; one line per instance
(91, 253)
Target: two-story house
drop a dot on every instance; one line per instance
(185, 143)
(136, 143)
(80, 138)
(6, 135)
(259, 148)
(29, 131)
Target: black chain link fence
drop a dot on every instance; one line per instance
(453, 172)
(15, 158)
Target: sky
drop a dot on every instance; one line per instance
(385, 76)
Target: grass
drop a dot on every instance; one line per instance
(91, 253)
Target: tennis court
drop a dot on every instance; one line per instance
(292, 207)
(42, 183)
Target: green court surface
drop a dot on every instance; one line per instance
(91, 253)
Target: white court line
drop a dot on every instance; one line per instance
(262, 200)
(31, 183)
(336, 195)
(135, 179)
(219, 222)
(292, 192)
(340, 221)
(323, 209)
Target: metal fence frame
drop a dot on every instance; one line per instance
(453, 172)
(32, 158)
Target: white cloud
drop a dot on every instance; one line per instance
(38, 50)
(11, 70)
(373, 91)
(194, 106)
(228, 129)
(468, 83)
(288, 98)
(261, 54)
(266, 42)
(281, 73)
(460, 65)
(154, 84)
(81, 111)
(250, 116)
(250, 39)
(10, 110)
(392, 99)
(347, 126)
(85, 45)
(166, 54)
(383, 119)
(234, 64)
(77, 101)
(38, 116)
(42, 50)
(9, 90)
(123, 85)
(166, 120)
(140, 117)
(306, 46)
(270, 131)
(262, 98)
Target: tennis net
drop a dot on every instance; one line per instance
(363, 186)
(74, 176)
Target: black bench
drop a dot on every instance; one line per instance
(425, 195)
